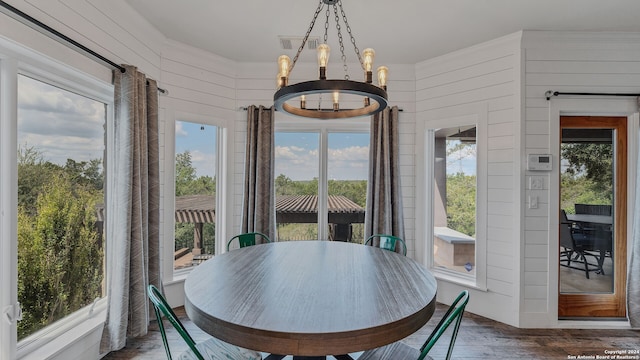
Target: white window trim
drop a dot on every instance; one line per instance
(16, 59)
(477, 116)
(223, 149)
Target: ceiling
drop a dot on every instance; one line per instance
(401, 31)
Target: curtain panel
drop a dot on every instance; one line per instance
(259, 204)
(384, 196)
(132, 208)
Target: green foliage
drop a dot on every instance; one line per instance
(580, 190)
(189, 183)
(461, 203)
(593, 161)
(60, 256)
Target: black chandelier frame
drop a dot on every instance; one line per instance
(374, 98)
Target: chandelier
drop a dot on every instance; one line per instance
(293, 99)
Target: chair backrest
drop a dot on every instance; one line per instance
(161, 307)
(593, 209)
(247, 239)
(566, 237)
(454, 313)
(387, 242)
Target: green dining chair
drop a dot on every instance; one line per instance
(387, 242)
(247, 239)
(400, 351)
(211, 349)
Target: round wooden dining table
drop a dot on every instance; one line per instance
(310, 298)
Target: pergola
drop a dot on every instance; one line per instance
(200, 209)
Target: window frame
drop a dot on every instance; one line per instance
(18, 60)
(323, 128)
(479, 118)
(224, 128)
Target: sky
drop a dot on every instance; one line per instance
(58, 123)
(63, 125)
(297, 155)
(200, 141)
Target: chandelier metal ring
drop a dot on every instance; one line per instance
(376, 94)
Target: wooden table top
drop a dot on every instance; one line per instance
(310, 298)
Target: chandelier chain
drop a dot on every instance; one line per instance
(341, 42)
(306, 36)
(353, 40)
(326, 25)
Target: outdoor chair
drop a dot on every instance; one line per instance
(387, 242)
(211, 349)
(577, 245)
(246, 239)
(401, 351)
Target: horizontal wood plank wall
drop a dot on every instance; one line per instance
(113, 30)
(566, 62)
(485, 76)
(256, 85)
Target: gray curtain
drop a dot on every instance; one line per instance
(633, 272)
(384, 195)
(132, 208)
(259, 205)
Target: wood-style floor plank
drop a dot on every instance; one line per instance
(479, 338)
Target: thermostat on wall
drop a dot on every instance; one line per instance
(541, 162)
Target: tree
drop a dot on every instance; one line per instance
(592, 161)
(461, 203)
(185, 173)
(189, 183)
(59, 255)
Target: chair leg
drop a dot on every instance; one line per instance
(586, 264)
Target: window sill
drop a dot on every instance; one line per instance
(458, 279)
(55, 339)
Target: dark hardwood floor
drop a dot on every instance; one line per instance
(479, 338)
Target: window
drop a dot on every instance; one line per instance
(195, 193)
(454, 199)
(321, 170)
(60, 194)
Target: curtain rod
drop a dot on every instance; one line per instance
(551, 93)
(58, 36)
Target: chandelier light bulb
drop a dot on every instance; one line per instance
(367, 60)
(368, 55)
(336, 101)
(382, 76)
(323, 59)
(283, 65)
(303, 102)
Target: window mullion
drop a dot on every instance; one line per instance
(323, 212)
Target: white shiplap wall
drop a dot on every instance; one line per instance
(567, 62)
(482, 83)
(114, 31)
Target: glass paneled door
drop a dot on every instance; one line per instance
(592, 224)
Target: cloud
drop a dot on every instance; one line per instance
(204, 163)
(346, 163)
(180, 131)
(61, 124)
